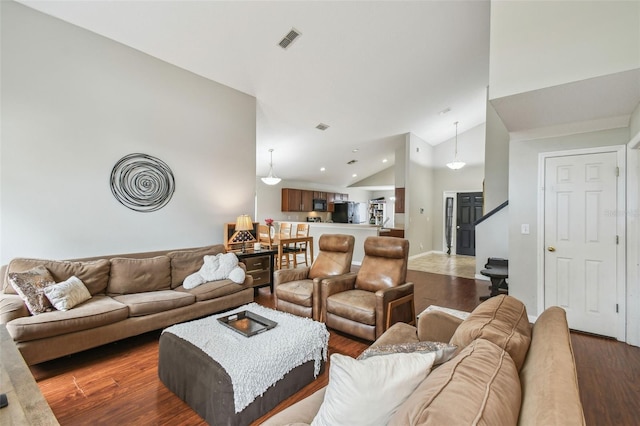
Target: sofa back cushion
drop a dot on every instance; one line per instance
(186, 262)
(502, 320)
(94, 274)
(480, 386)
(139, 275)
(548, 377)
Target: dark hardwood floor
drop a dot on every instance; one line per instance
(117, 384)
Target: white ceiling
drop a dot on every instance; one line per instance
(370, 70)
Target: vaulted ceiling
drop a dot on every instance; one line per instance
(368, 70)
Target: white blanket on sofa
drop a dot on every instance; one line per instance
(255, 363)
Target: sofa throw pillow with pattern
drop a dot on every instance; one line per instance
(67, 294)
(443, 351)
(30, 286)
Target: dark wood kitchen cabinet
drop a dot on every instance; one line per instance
(296, 200)
(317, 195)
(399, 200)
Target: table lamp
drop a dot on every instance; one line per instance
(244, 224)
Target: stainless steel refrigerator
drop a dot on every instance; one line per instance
(349, 212)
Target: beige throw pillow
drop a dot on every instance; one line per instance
(30, 286)
(67, 294)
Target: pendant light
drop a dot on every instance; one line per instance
(271, 178)
(455, 164)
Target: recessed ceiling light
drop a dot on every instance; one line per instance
(322, 169)
(444, 111)
(354, 150)
(354, 175)
(384, 160)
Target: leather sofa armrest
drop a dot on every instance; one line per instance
(281, 276)
(383, 297)
(437, 326)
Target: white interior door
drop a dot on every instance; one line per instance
(580, 275)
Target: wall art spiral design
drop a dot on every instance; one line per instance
(142, 183)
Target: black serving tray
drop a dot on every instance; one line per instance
(247, 323)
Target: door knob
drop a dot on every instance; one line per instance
(457, 227)
(551, 248)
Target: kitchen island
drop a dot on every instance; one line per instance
(359, 231)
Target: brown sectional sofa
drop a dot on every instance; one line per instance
(505, 371)
(131, 294)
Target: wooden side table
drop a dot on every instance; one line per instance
(259, 264)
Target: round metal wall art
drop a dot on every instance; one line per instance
(142, 183)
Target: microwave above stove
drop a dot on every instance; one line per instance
(319, 205)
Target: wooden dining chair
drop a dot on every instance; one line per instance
(302, 230)
(264, 237)
(285, 232)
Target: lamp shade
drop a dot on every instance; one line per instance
(244, 223)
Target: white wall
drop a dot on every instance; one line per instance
(523, 204)
(419, 193)
(496, 161)
(471, 148)
(73, 104)
(633, 231)
(537, 44)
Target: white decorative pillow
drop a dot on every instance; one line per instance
(353, 395)
(67, 294)
(216, 267)
(443, 351)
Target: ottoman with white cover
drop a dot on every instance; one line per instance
(230, 379)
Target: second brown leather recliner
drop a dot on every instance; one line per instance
(367, 303)
(297, 290)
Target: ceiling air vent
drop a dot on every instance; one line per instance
(289, 38)
(322, 126)
(352, 162)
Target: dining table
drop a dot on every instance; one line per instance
(281, 243)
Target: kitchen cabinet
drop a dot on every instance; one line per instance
(399, 200)
(317, 195)
(339, 197)
(296, 200)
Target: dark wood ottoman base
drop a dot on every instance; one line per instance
(206, 387)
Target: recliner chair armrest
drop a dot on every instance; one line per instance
(437, 326)
(337, 284)
(282, 276)
(383, 298)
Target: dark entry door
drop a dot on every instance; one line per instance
(469, 210)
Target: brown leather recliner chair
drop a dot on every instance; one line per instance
(367, 303)
(297, 290)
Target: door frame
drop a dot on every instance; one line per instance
(620, 208)
(454, 234)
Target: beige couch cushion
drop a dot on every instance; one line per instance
(155, 301)
(139, 275)
(98, 311)
(480, 386)
(186, 262)
(213, 289)
(502, 320)
(94, 274)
